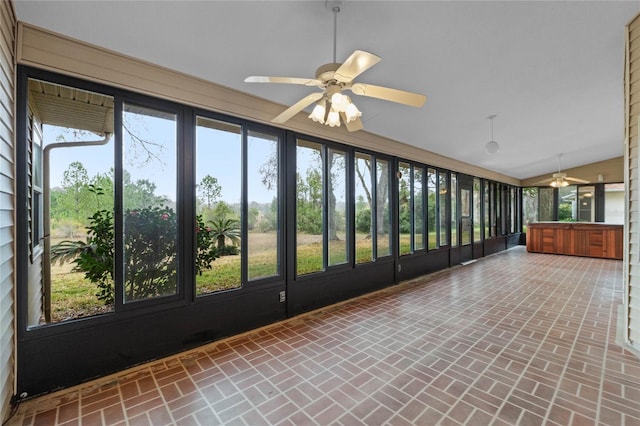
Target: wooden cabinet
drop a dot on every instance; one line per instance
(576, 239)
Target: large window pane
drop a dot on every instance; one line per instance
(494, 208)
(71, 203)
(432, 204)
(149, 212)
(418, 210)
(546, 204)
(477, 203)
(465, 216)
(309, 208)
(487, 210)
(336, 207)
(263, 215)
(444, 218)
(530, 206)
(586, 203)
(567, 204)
(218, 196)
(364, 208)
(404, 208)
(383, 208)
(454, 210)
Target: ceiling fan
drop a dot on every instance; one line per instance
(332, 106)
(561, 180)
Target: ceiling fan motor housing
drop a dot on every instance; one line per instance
(326, 72)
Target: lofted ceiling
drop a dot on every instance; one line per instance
(551, 71)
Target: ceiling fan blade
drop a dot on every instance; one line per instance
(547, 180)
(286, 80)
(352, 126)
(297, 107)
(388, 94)
(576, 180)
(356, 64)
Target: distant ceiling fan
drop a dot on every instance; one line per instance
(561, 180)
(332, 106)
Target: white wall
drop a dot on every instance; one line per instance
(614, 207)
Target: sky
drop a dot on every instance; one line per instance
(218, 155)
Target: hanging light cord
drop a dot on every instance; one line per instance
(491, 117)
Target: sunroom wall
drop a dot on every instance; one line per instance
(53, 52)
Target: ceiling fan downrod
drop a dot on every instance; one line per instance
(335, 10)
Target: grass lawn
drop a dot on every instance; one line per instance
(74, 297)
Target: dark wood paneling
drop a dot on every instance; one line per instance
(576, 239)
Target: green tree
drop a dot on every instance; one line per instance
(382, 192)
(405, 210)
(209, 190)
(73, 199)
(309, 204)
(224, 211)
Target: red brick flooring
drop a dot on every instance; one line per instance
(515, 338)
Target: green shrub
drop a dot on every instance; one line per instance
(150, 252)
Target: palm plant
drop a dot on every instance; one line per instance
(221, 229)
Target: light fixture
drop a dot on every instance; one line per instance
(492, 146)
(333, 119)
(318, 113)
(339, 105)
(559, 183)
(352, 112)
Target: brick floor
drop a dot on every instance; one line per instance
(515, 338)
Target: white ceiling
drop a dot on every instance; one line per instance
(550, 70)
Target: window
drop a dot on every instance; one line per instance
(383, 208)
(405, 215)
(454, 217)
(309, 207)
(477, 204)
(364, 210)
(218, 200)
(530, 206)
(371, 208)
(150, 211)
(36, 186)
(336, 207)
(567, 204)
(263, 206)
(487, 210)
(418, 209)
(546, 204)
(586, 203)
(71, 203)
(443, 226)
(432, 209)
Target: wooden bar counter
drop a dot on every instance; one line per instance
(576, 239)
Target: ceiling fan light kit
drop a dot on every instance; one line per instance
(333, 107)
(560, 179)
